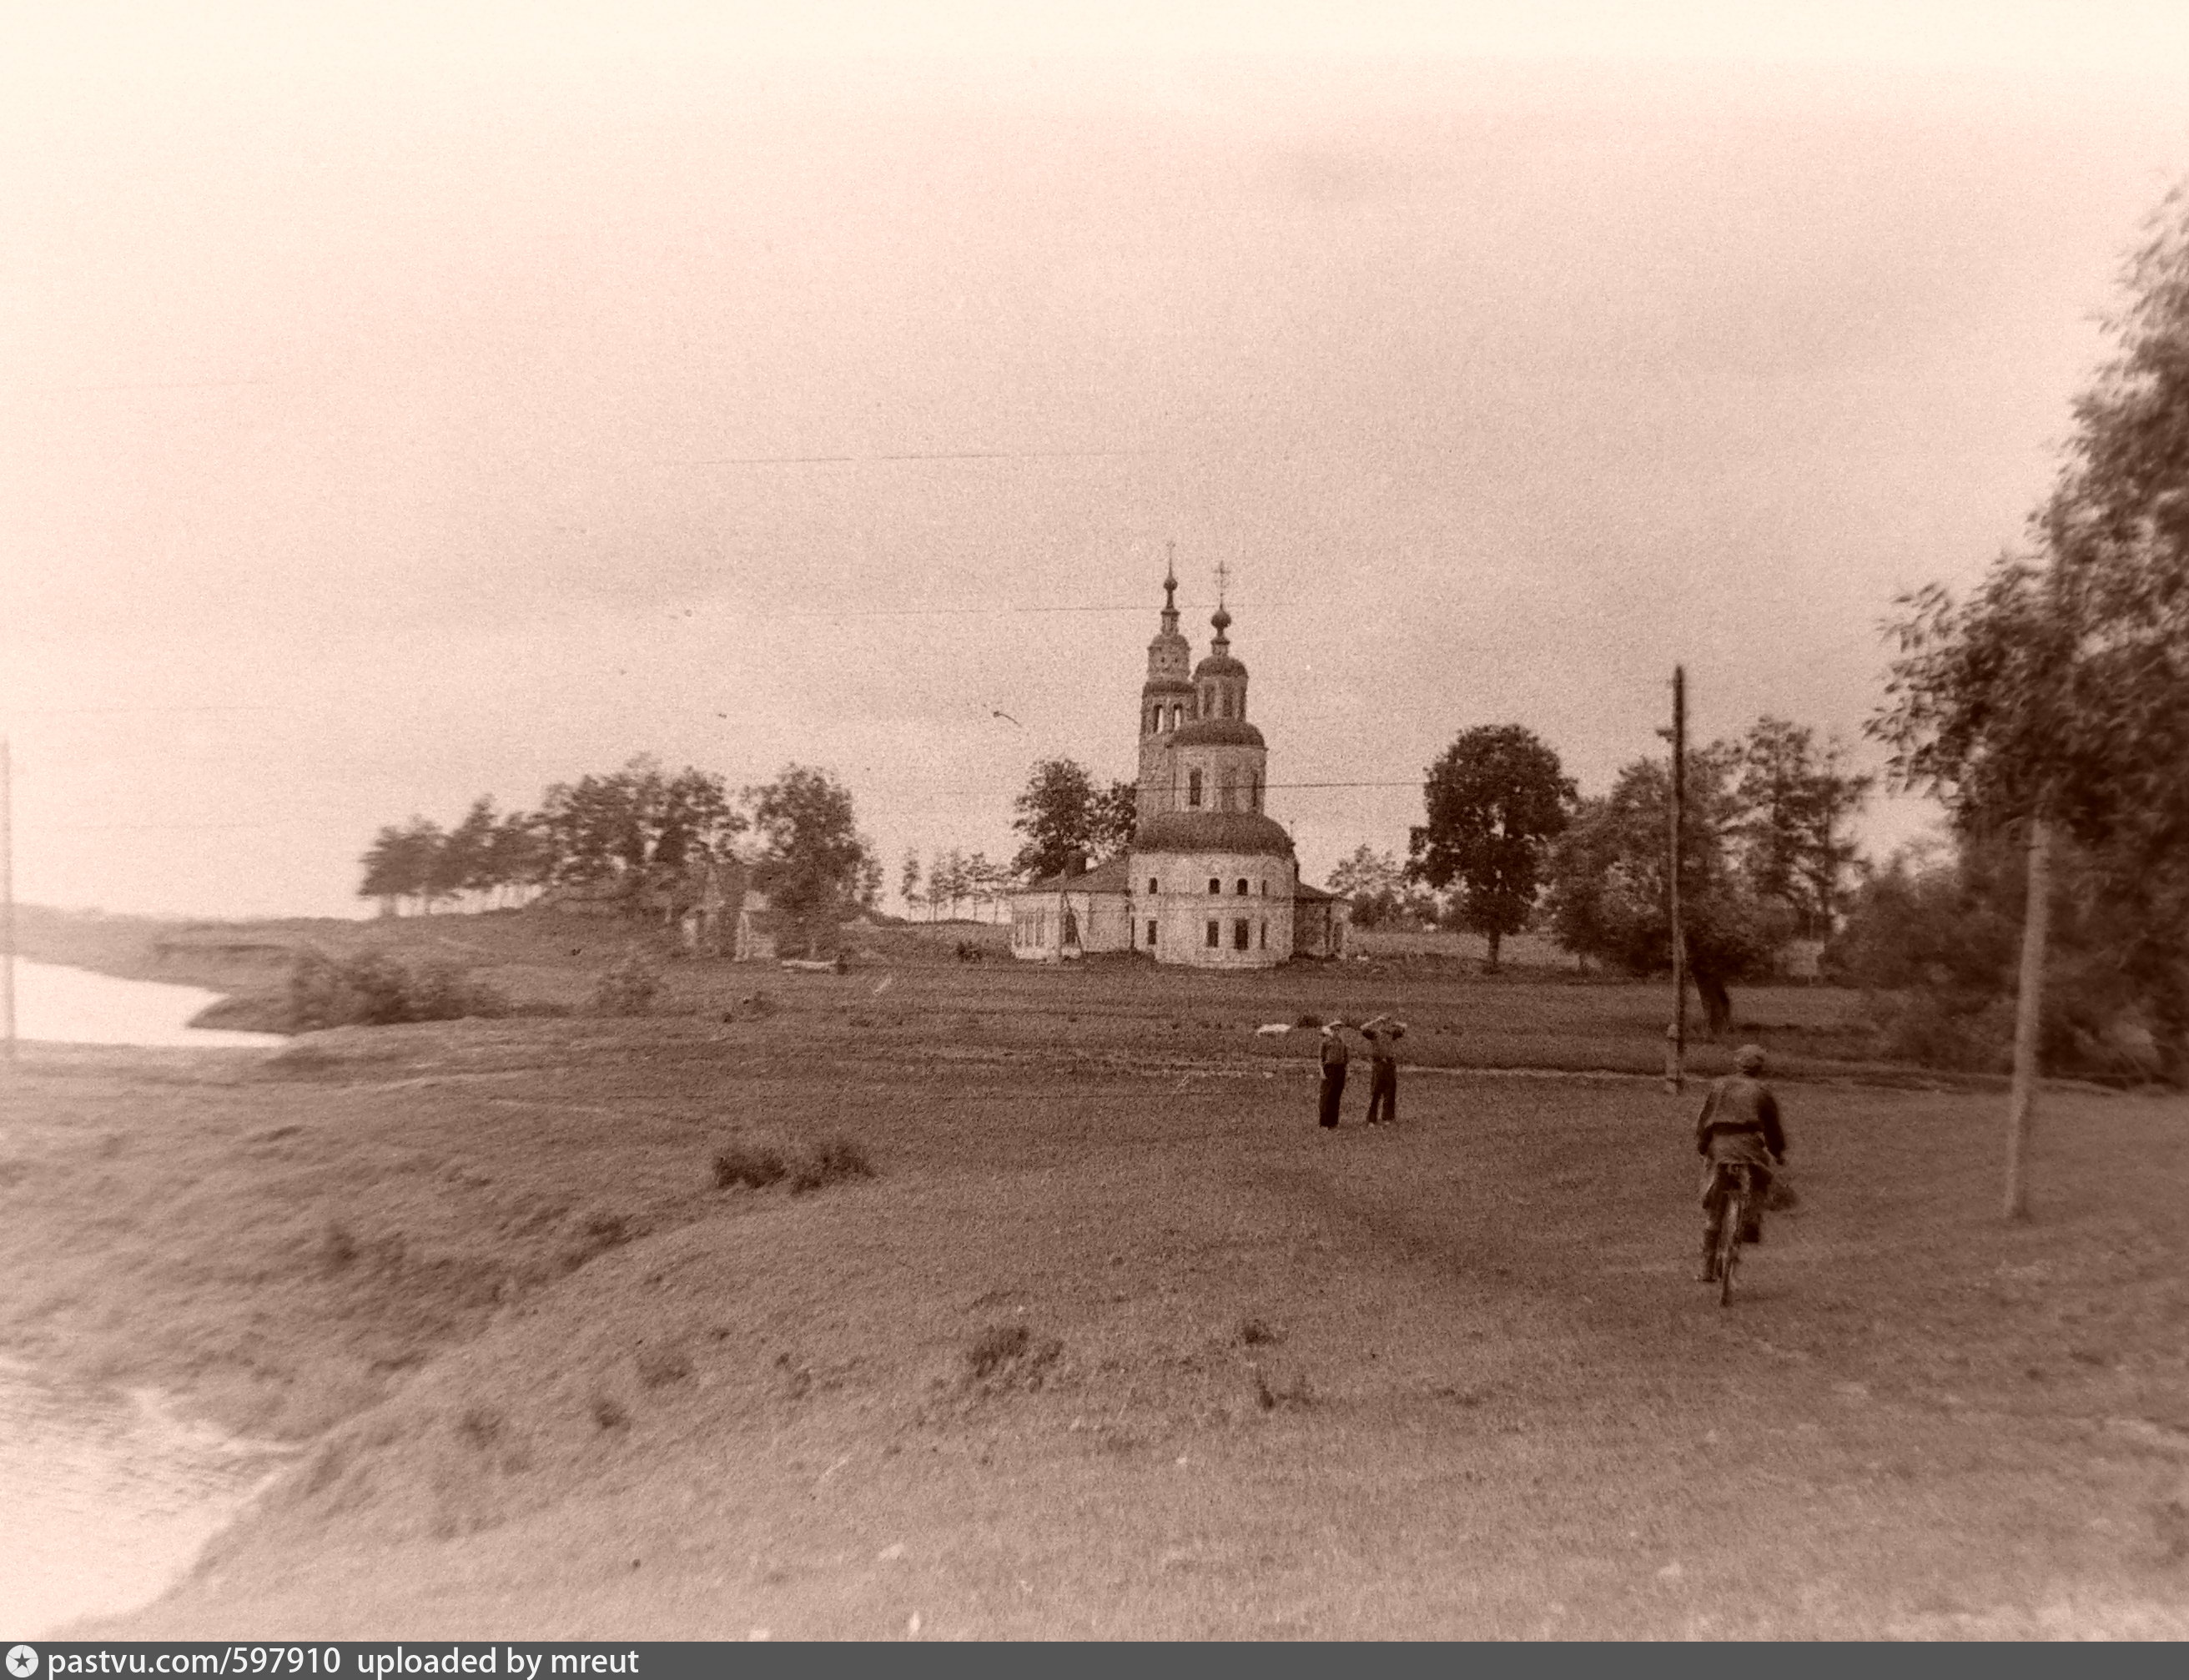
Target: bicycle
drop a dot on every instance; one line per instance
(1739, 1193)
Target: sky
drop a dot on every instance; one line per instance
(404, 404)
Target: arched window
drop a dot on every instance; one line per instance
(1227, 789)
(1177, 713)
(1215, 886)
(1240, 886)
(1254, 789)
(1193, 789)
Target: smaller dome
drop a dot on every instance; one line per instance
(1219, 664)
(1221, 619)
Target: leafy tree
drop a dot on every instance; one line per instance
(1065, 817)
(1610, 888)
(814, 862)
(985, 882)
(1374, 883)
(391, 870)
(519, 858)
(908, 880)
(1113, 820)
(1795, 800)
(2056, 698)
(1494, 801)
(466, 859)
(637, 827)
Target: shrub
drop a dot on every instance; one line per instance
(371, 988)
(629, 988)
(1010, 1356)
(758, 1162)
(753, 1164)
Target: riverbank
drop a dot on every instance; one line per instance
(1116, 1345)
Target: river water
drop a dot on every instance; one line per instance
(74, 1006)
(106, 1497)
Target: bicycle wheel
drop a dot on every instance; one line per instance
(1729, 1238)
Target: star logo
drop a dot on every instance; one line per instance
(22, 1662)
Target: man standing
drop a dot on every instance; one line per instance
(1334, 1058)
(1383, 1035)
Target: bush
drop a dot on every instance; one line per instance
(756, 1163)
(629, 988)
(372, 989)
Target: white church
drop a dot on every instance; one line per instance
(1210, 879)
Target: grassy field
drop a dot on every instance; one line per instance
(1115, 1343)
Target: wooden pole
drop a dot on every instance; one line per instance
(1679, 1068)
(2022, 1099)
(8, 894)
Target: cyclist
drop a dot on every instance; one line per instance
(1738, 1126)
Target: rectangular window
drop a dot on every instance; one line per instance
(1242, 934)
(1155, 886)
(1239, 886)
(1151, 935)
(1193, 789)
(1265, 936)
(1215, 886)
(1215, 934)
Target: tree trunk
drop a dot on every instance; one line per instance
(2028, 1015)
(1494, 937)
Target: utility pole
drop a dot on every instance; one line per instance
(1675, 1070)
(2028, 1016)
(8, 894)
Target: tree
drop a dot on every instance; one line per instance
(1494, 801)
(1114, 819)
(394, 871)
(636, 827)
(1374, 886)
(1065, 818)
(1611, 889)
(1794, 802)
(2056, 696)
(908, 880)
(466, 859)
(519, 858)
(814, 863)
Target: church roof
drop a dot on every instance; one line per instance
(1219, 664)
(1315, 895)
(1217, 732)
(1213, 831)
(1110, 877)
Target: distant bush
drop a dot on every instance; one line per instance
(372, 989)
(629, 988)
(756, 1163)
(753, 1165)
(1005, 1356)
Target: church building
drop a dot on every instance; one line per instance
(1210, 879)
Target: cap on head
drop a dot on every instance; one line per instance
(1748, 1059)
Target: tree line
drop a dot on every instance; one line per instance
(632, 837)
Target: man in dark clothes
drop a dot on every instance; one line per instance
(1334, 1058)
(1738, 1126)
(1383, 1035)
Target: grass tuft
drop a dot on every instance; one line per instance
(1010, 1356)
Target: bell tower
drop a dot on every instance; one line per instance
(1168, 701)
